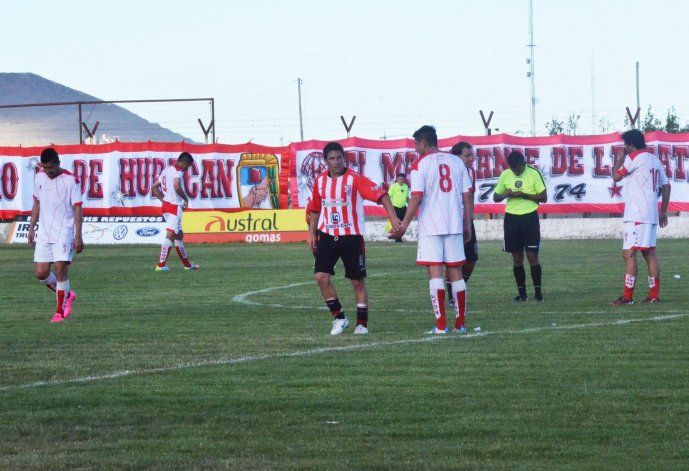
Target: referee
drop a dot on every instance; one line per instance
(524, 188)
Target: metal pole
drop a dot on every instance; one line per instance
(301, 120)
(638, 103)
(81, 136)
(593, 97)
(213, 118)
(531, 71)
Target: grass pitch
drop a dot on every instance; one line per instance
(233, 367)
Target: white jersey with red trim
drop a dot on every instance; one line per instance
(340, 202)
(167, 185)
(643, 176)
(57, 198)
(441, 179)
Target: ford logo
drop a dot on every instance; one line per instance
(120, 232)
(147, 231)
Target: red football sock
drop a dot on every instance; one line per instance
(460, 294)
(629, 281)
(654, 287)
(437, 291)
(182, 255)
(164, 252)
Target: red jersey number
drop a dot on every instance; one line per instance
(445, 178)
(655, 176)
(164, 184)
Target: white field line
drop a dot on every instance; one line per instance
(322, 350)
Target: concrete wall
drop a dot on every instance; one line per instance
(568, 228)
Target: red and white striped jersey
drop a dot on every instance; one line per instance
(56, 197)
(170, 197)
(340, 202)
(441, 179)
(644, 175)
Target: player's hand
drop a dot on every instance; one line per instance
(467, 233)
(517, 194)
(185, 205)
(32, 238)
(78, 244)
(662, 219)
(395, 224)
(313, 240)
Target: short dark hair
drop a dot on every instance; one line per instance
(515, 159)
(635, 138)
(426, 133)
(459, 147)
(401, 175)
(331, 146)
(186, 158)
(49, 156)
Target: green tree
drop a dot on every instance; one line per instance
(573, 123)
(555, 127)
(651, 123)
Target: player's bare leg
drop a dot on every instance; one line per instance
(467, 270)
(653, 275)
(631, 269)
(458, 292)
(532, 257)
(45, 276)
(182, 252)
(436, 287)
(329, 294)
(165, 250)
(361, 297)
(519, 276)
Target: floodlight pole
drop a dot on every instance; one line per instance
(301, 119)
(531, 46)
(81, 136)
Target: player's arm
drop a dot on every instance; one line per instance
(414, 205)
(392, 216)
(468, 214)
(541, 197)
(177, 185)
(313, 229)
(621, 168)
(35, 211)
(500, 192)
(78, 217)
(155, 191)
(662, 217)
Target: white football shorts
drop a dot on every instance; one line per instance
(639, 236)
(50, 253)
(173, 222)
(446, 249)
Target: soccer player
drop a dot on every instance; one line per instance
(57, 206)
(336, 230)
(463, 150)
(440, 190)
(168, 189)
(524, 188)
(644, 177)
(399, 195)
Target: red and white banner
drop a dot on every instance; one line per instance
(577, 169)
(116, 178)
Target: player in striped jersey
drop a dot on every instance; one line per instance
(57, 206)
(336, 230)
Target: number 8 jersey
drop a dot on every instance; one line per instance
(644, 175)
(441, 179)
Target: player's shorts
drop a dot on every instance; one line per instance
(522, 232)
(446, 249)
(173, 221)
(50, 253)
(350, 248)
(639, 236)
(471, 247)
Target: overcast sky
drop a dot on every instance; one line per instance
(395, 65)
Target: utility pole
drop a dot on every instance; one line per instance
(530, 74)
(301, 119)
(638, 103)
(593, 97)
